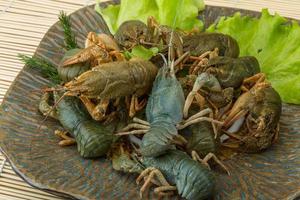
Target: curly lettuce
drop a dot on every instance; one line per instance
(275, 42)
(141, 52)
(163, 10)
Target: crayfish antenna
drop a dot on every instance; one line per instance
(164, 58)
(172, 70)
(47, 90)
(170, 45)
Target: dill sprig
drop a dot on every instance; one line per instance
(65, 22)
(47, 69)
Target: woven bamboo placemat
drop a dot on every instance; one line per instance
(23, 24)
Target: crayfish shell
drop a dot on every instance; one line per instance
(115, 79)
(200, 43)
(93, 139)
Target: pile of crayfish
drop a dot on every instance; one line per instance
(166, 117)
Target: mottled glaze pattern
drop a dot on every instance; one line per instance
(35, 155)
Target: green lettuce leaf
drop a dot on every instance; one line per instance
(163, 10)
(141, 52)
(109, 14)
(276, 45)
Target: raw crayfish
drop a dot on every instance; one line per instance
(164, 113)
(231, 72)
(131, 33)
(99, 48)
(92, 138)
(201, 43)
(134, 32)
(171, 172)
(111, 81)
(219, 78)
(252, 123)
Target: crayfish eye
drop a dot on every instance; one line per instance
(141, 32)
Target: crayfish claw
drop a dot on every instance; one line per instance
(77, 58)
(234, 117)
(45, 108)
(70, 62)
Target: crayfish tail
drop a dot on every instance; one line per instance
(93, 140)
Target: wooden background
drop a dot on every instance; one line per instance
(22, 25)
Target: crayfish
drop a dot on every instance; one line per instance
(164, 113)
(112, 81)
(93, 139)
(171, 172)
(132, 33)
(252, 123)
(201, 43)
(99, 49)
(219, 78)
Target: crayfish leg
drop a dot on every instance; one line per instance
(189, 100)
(140, 127)
(251, 81)
(66, 140)
(135, 105)
(205, 160)
(133, 132)
(135, 126)
(140, 121)
(198, 117)
(166, 190)
(179, 63)
(151, 173)
(90, 39)
(196, 157)
(201, 61)
(199, 66)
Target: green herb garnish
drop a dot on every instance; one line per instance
(69, 36)
(47, 69)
